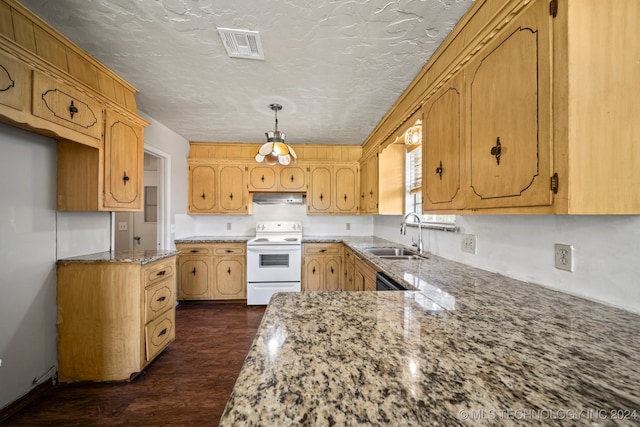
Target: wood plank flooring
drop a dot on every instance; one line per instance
(188, 385)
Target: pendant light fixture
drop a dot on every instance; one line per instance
(275, 151)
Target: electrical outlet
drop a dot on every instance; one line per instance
(469, 243)
(123, 226)
(348, 225)
(564, 257)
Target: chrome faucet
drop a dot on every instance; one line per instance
(403, 229)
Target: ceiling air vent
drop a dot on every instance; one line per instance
(242, 43)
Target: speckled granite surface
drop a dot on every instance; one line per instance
(471, 348)
(214, 239)
(142, 257)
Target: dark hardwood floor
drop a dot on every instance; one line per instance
(187, 385)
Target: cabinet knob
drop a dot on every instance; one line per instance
(439, 170)
(229, 270)
(228, 251)
(313, 270)
(72, 109)
(331, 270)
(194, 271)
(231, 196)
(497, 151)
(321, 196)
(194, 251)
(162, 332)
(291, 178)
(161, 299)
(262, 178)
(345, 197)
(203, 196)
(161, 273)
(125, 178)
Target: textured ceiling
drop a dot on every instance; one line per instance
(335, 66)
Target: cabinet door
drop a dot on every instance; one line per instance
(320, 189)
(262, 178)
(364, 183)
(371, 191)
(441, 146)
(233, 190)
(332, 267)
(194, 278)
(346, 189)
(312, 274)
(230, 278)
(14, 77)
(292, 178)
(510, 108)
(62, 104)
(203, 180)
(123, 164)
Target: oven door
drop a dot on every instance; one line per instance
(274, 263)
(261, 293)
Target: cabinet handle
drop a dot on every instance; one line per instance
(162, 332)
(229, 270)
(371, 193)
(321, 196)
(228, 251)
(262, 178)
(125, 178)
(231, 196)
(72, 109)
(497, 151)
(323, 250)
(313, 271)
(194, 251)
(291, 178)
(362, 196)
(161, 273)
(331, 270)
(439, 170)
(203, 196)
(345, 197)
(194, 271)
(161, 299)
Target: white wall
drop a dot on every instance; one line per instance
(244, 225)
(606, 251)
(176, 147)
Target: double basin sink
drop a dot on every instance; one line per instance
(393, 253)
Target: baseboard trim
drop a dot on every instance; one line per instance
(33, 394)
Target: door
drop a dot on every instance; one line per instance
(510, 115)
(441, 146)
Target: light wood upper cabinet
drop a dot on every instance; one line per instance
(441, 147)
(509, 90)
(382, 179)
(320, 189)
(292, 178)
(14, 83)
(346, 189)
(203, 182)
(124, 163)
(217, 188)
(233, 189)
(333, 189)
(262, 178)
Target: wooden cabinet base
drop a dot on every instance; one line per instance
(113, 319)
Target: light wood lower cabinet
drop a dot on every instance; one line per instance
(349, 283)
(113, 317)
(364, 275)
(212, 271)
(322, 267)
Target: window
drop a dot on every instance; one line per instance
(413, 187)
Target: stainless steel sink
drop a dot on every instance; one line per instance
(393, 253)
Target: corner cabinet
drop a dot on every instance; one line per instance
(114, 318)
(217, 188)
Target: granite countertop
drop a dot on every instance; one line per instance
(470, 347)
(214, 239)
(142, 257)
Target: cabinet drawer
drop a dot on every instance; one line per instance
(238, 249)
(68, 107)
(14, 76)
(159, 333)
(322, 248)
(194, 249)
(159, 298)
(158, 271)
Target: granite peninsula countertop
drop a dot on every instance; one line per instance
(141, 257)
(468, 347)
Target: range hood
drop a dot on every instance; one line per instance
(279, 198)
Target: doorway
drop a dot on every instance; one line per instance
(146, 230)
